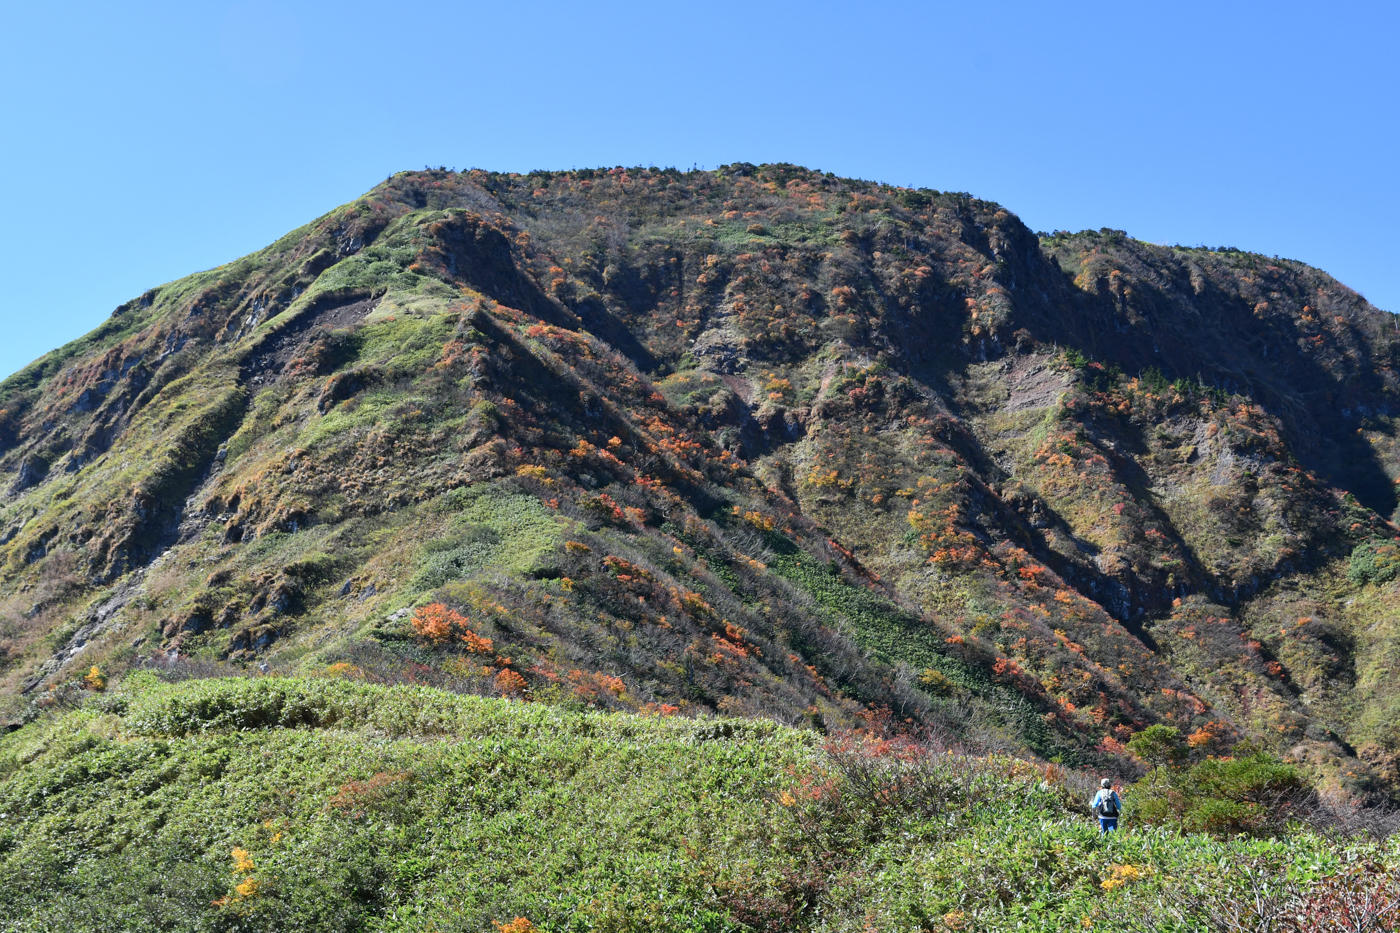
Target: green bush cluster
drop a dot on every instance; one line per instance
(1375, 560)
(322, 805)
(1256, 795)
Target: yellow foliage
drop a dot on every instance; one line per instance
(95, 680)
(242, 861)
(692, 602)
(1121, 875)
(936, 681)
(828, 480)
(778, 389)
(759, 520)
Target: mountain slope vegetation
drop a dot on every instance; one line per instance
(757, 442)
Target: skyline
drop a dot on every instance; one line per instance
(156, 141)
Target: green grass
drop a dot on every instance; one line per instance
(892, 636)
(373, 408)
(496, 816)
(490, 527)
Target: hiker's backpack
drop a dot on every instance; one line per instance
(1108, 804)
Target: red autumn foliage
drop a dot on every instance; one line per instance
(511, 684)
(439, 625)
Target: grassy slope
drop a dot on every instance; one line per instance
(325, 804)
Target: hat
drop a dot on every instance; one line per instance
(1105, 783)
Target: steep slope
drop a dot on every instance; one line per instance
(760, 441)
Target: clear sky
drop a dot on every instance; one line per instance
(143, 141)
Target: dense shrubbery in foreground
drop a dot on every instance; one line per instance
(327, 805)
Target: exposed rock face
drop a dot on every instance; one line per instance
(31, 473)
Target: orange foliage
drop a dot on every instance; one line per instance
(439, 624)
(518, 925)
(759, 520)
(1210, 737)
(627, 571)
(691, 602)
(509, 683)
(592, 686)
(355, 797)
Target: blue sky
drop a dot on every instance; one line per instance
(145, 141)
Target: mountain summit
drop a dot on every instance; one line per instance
(760, 441)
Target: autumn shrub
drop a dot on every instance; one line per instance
(387, 789)
(438, 624)
(592, 687)
(518, 925)
(398, 664)
(1362, 899)
(784, 899)
(509, 683)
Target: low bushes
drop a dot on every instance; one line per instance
(198, 707)
(1255, 795)
(318, 805)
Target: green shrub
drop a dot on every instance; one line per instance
(1374, 561)
(1258, 795)
(1158, 745)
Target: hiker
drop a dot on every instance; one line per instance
(1106, 807)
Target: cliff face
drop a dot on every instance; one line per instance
(760, 440)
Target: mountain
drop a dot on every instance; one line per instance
(759, 442)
